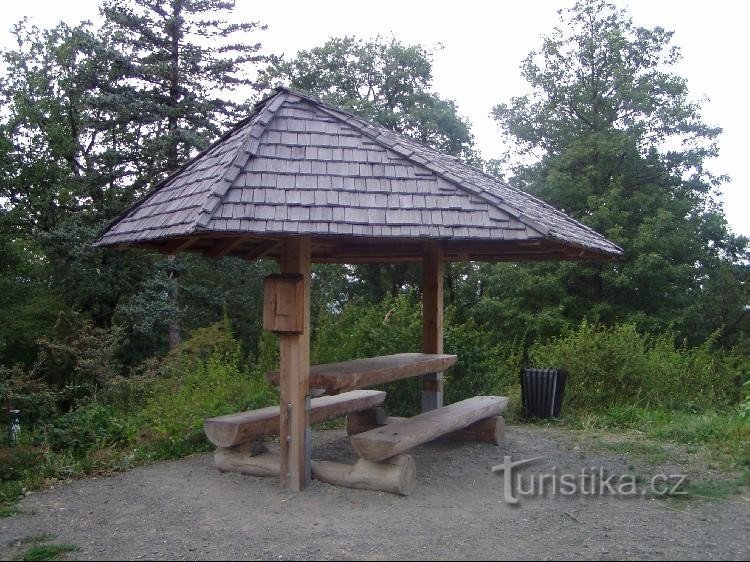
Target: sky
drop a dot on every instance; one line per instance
(479, 46)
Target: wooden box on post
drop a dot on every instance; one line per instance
(282, 302)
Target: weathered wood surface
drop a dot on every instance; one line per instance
(392, 439)
(294, 365)
(396, 475)
(432, 323)
(489, 430)
(359, 422)
(248, 458)
(231, 430)
(362, 373)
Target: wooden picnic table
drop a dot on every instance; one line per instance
(344, 376)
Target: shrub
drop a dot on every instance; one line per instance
(84, 429)
(618, 366)
(207, 376)
(745, 406)
(14, 461)
(36, 400)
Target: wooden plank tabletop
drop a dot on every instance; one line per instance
(363, 373)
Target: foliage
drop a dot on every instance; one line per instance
(65, 155)
(745, 406)
(619, 367)
(35, 399)
(84, 429)
(183, 69)
(29, 305)
(395, 326)
(157, 413)
(15, 460)
(206, 377)
(610, 135)
(78, 353)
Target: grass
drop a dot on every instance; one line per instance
(714, 447)
(9, 509)
(47, 551)
(62, 466)
(653, 453)
(38, 549)
(715, 489)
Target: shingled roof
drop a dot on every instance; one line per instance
(364, 193)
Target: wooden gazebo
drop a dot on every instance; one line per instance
(301, 181)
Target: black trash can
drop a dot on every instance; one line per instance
(542, 392)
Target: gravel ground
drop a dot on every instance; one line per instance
(186, 510)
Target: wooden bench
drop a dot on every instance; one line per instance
(335, 378)
(235, 429)
(394, 438)
(489, 430)
(237, 437)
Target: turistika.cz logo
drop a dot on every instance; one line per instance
(590, 481)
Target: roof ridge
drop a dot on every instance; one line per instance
(365, 128)
(249, 147)
(310, 97)
(517, 213)
(257, 107)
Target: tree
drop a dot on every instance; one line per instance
(189, 75)
(610, 135)
(66, 158)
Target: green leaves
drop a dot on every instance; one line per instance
(610, 135)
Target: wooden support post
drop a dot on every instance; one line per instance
(432, 323)
(295, 436)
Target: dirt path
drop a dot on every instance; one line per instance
(187, 510)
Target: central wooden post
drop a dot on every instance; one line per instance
(295, 435)
(432, 322)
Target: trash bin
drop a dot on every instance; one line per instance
(542, 392)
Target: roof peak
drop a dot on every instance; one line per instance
(298, 164)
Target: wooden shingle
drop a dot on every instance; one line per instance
(300, 166)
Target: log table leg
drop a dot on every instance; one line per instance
(432, 323)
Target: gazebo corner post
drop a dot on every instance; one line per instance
(432, 322)
(294, 366)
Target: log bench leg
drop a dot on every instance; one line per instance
(489, 430)
(396, 475)
(249, 458)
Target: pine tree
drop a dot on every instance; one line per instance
(190, 74)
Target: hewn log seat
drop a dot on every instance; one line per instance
(363, 373)
(234, 429)
(489, 430)
(384, 442)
